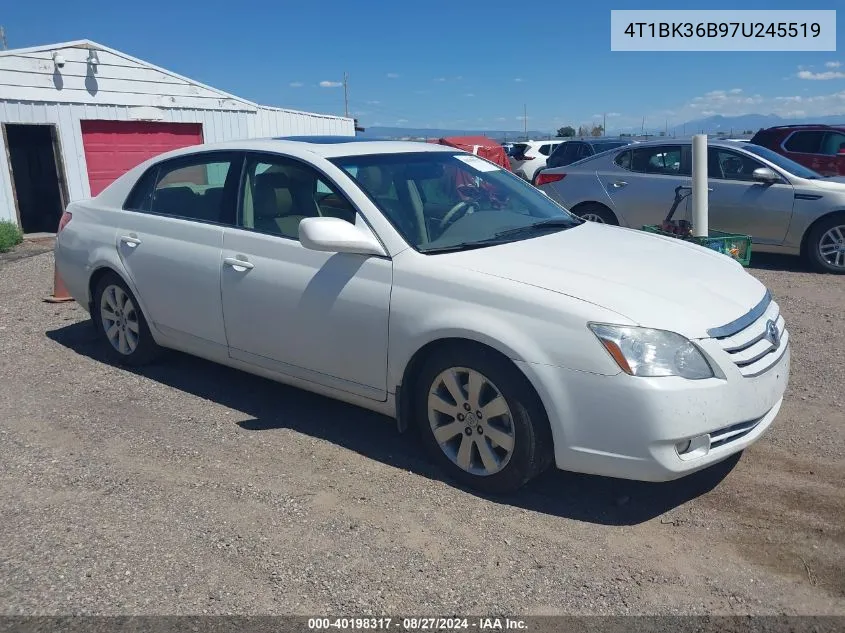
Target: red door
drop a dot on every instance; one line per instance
(114, 147)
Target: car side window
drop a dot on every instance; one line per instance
(659, 159)
(727, 165)
(585, 151)
(278, 193)
(834, 143)
(623, 160)
(808, 142)
(141, 196)
(194, 188)
(545, 150)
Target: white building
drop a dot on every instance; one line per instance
(75, 116)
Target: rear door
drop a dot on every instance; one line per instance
(833, 148)
(170, 240)
(805, 146)
(641, 183)
(739, 204)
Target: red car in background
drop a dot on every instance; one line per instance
(818, 147)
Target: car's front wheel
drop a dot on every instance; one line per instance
(826, 245)
(121, 324)
(481, 419)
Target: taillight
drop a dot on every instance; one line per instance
(544, 179)
(66, 217)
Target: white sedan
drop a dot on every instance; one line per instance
(430, 285)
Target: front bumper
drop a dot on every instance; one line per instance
(629, 427)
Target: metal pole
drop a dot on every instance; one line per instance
(525, 119)
(345, 95)
(699, 186)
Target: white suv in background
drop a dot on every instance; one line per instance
(529, 157)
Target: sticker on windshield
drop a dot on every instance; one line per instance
(477, 163)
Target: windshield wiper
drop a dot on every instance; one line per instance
(545, 225)
(463, 246)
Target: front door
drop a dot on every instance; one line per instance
(170, 238)
(317, 316)
(739, 204)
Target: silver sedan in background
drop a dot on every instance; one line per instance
(785, 207)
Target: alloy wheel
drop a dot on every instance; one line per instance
(592, 217)
(832, 246)
(119, 319)
(471, 421)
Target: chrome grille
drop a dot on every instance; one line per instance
(755, 341)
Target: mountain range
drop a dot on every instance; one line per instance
(709, 125)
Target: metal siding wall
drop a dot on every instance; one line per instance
(217, 126)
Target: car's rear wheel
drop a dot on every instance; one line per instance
(481, 420)
(121, 324)
(826, 245)
(595, 212)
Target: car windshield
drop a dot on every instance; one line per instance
(443, 201)
(781, 161)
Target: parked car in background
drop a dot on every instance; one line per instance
(819, 147)
(526, 158)
(572, 151)
(785, 207)
(431, 285)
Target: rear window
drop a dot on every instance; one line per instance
(809, 142)
(518, 151)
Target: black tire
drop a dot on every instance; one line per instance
(146, 349)
(532, 440)
(814, 244)
(597, 210)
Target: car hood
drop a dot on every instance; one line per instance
(655, 281)
(831, 183)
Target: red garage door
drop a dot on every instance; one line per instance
(114, 147)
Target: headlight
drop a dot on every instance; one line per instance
(645, 352)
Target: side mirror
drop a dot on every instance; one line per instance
(764, 174)
(334, 235)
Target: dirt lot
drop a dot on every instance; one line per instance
(192, 488)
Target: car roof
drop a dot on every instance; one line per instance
(324, 146)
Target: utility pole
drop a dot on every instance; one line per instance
(642, 129)
(3, 44)
(525, 119)
(345, 95)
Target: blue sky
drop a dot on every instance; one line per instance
(456, 63)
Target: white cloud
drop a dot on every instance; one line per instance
(501, 118)
(440, 79)
(727, 103)
(402, 120)
(829, 74)
(393, 75)
(330, 84)
(833, 64)
(519, 80)
(469, 94)
(373, 102)
(735, 91)
(613, 114)
(295, 84)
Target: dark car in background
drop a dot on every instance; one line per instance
(572, 151)
(818, 147)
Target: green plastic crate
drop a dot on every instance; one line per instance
(736, 246)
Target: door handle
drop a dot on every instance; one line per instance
(130, 240)
(619, 183)
(238, 264)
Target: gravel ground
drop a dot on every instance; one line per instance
(192, 488)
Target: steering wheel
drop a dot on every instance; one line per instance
(464, 207)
